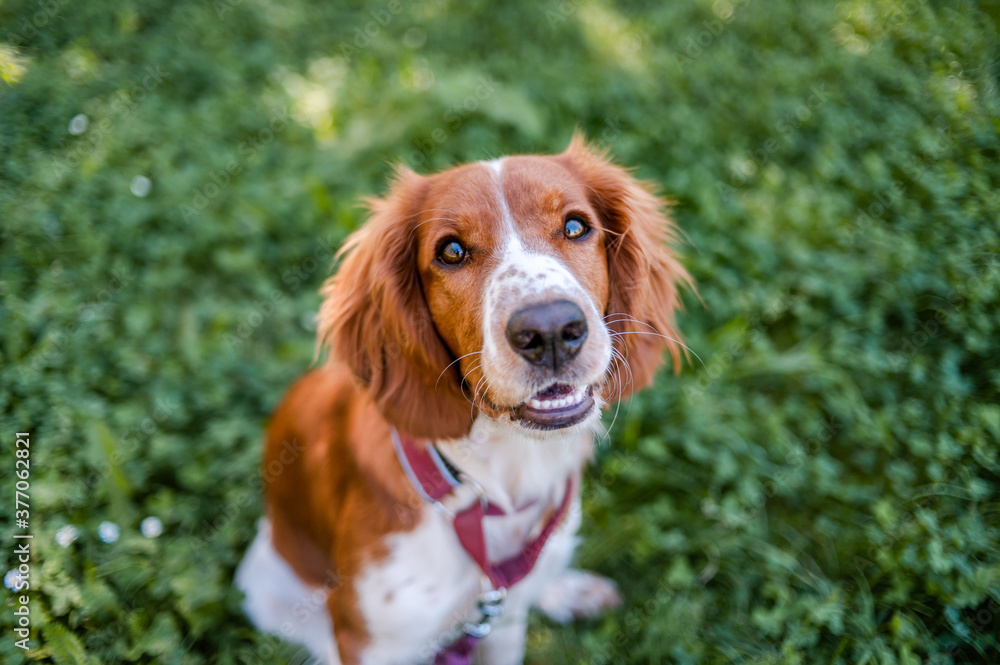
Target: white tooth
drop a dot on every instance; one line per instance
(562, 402)
(535, 403)
(547, 404)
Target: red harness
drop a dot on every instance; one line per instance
(434, 478)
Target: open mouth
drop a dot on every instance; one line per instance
(559, 405)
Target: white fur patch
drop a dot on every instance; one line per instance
(495, 165)
(423, 589)
(278, 602)
(523, 278)
(577, 594)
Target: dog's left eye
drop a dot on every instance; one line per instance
(574, 228)
(452, 253)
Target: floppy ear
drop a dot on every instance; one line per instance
(644, 274)
(374, 317)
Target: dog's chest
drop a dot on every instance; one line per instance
(428, 585)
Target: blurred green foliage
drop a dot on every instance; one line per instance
(822, 486)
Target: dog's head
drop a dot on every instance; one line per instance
(528, 290)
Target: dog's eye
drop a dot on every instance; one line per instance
(574, 228)
(452, 253)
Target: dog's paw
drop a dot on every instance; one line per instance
(577, 594)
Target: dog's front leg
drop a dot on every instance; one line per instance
(349, 630)
(505, 643)
(577, 594)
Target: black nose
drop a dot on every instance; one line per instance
(548, 335)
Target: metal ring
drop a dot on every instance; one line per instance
(478, 630)
(477, 488)
(443, 509)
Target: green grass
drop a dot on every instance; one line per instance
(823, 488)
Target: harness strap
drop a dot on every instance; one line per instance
(468, 526)
(432, 477)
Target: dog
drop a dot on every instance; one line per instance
(423, 485)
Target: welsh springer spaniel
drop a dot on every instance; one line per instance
(423, 485)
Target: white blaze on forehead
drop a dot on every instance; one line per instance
(525, 276)
(522, 274)
(495, 166)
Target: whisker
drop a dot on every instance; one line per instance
(475, 392)
(464, 383)
(619, 360)
(433, 219)
(675, 341)
(452, 363)
(627, 367)
(628, 371)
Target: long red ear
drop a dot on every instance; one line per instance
(644, 273)
(374, 317)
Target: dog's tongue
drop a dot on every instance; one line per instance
(554, 391)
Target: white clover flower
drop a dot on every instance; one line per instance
(66, 535)
(140, 186)
(151, 527)
(78, 124)
(108, 531)
(11, 578)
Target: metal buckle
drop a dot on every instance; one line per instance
(477, 630)
(490, 605)
(477, 488)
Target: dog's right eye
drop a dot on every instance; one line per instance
(452, 253)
